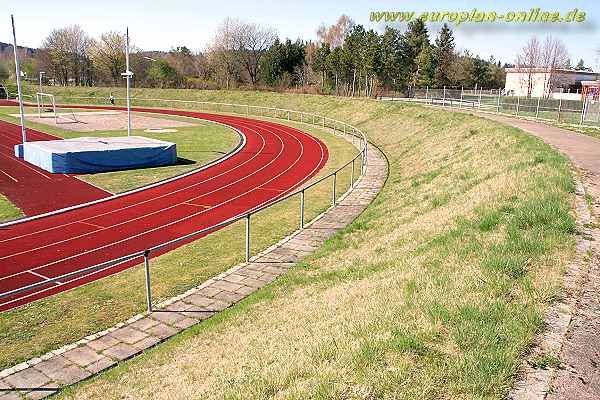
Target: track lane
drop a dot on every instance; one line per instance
(276, 160)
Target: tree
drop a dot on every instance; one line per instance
(391, 58)
(320, 61)
(162, 74)
(108, 55)
(4, 74)
(222, 51)
(529, 59)
(335, 35)
(443, 57)
(371, 61)
(67, 51)
(554, 56)
(282, 58)
(581, 66)
(353, 46)
(415, 41)
(252, 41)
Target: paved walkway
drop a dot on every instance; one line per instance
(43, 376)
(573, 324)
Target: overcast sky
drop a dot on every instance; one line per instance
(192, 22)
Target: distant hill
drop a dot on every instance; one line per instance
(8, 47)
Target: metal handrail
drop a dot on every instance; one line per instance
(362, 154)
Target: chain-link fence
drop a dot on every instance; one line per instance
(584, 112)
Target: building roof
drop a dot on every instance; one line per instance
(545, 70)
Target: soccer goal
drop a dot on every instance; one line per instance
(47, 108)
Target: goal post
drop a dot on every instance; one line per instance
(47, 108)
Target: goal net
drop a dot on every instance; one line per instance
(47, 108)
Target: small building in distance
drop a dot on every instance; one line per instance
(546, 82)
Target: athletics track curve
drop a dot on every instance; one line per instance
(275, 160)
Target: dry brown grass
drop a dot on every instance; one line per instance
(436, 291)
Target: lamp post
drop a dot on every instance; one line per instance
(127, 75)
(18, 76)
(41, 75)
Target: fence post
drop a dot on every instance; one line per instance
(248, 238)
(480, 89)
(333, 187)
(444, 97)
(498, 103)
(302, 209)
(559, 107)
(426, 93)
(288, 115)
(148, 288)
(462, 89)
(518, 104)
(583, 107)
(537, 109)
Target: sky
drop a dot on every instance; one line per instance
(192, 22)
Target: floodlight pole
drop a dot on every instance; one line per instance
(18, 73)
(128, 73)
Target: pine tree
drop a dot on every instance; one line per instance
(391, 59)
(415, 41)
(320, 61)
(443, 57)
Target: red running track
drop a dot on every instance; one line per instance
(275, 160)
(32, 189)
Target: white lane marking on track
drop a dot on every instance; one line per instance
(116, 265)
(10, 176)
(44, 277)
(94, 225)
(196, 205)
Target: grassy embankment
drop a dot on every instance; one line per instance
(47, 324)
(436, 291)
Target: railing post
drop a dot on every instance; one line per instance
(537, 108)
(248, 110)
(288, 115)
(426, 93)
(148, 288)
(301, 117)
(583, 107)
(248, 238)
(302, 209)
(444, 97)
(333, 194)
(462, 90)
(518, 104)
(480, 89)
(323, 122)
(352, 175)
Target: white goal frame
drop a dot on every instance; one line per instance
(65, 117)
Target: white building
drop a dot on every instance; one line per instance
(542, 82)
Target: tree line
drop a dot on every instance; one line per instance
(345, 59)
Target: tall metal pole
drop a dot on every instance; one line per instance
(18, 72)
(129, 73)
(41, 74)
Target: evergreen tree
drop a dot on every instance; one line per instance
(320, 61)
(391, 59)
(443, 57)
(415, 41)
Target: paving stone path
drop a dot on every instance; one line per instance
(43, 376)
